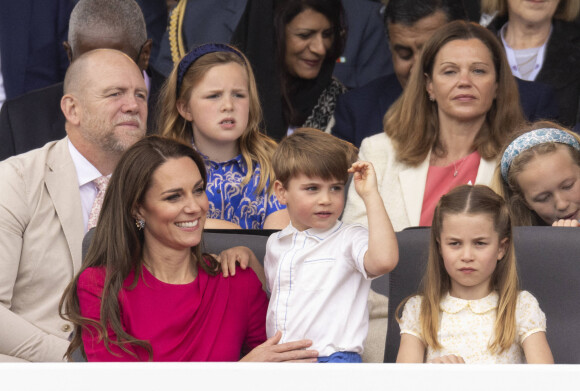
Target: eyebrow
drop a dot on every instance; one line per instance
(178, 189)
(402, 47)
(475, 63)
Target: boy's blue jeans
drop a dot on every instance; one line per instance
(344, 357)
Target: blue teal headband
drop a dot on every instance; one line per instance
(198, 52)
(531, 139)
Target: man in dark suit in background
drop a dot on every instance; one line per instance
(31, 33)
(410, 23)
(33, 119)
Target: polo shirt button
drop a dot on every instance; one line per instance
(66, 328)
(219, 191)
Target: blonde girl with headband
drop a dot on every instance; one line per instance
(211, 101)
(539, 176)
(469, 308)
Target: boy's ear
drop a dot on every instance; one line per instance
(280, 192)
(503, 247)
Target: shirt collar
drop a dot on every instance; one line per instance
(86, 172)
(453, 305)
(315, 233)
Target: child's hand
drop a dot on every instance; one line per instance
(364, 178)
(450, 359)
(236, 255)
(566, 223)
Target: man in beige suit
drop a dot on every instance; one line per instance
(46, 196)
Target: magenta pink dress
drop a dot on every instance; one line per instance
(209, 319)
(440, 180)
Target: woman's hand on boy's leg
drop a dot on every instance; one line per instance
(272, 351)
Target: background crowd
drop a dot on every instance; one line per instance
(436, 94)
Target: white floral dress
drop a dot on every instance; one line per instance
(466, 327)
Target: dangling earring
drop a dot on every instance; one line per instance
(140, 223)
(431, 98)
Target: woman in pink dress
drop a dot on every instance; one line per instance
(146, 292)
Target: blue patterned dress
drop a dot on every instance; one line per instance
(230, 200)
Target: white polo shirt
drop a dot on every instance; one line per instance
(319, 287)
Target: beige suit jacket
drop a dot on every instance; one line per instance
(41, 232)
(401, 186)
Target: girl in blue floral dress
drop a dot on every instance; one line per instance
(211, 100)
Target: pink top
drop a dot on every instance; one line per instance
(442, 179)
(209, 319)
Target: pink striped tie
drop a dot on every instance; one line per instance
(101, 185)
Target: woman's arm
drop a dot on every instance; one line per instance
(411, 349)
(537, 350)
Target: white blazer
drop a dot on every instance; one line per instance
(401, 186)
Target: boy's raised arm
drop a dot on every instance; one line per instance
(383, 253)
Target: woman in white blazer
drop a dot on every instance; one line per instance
(446, 129)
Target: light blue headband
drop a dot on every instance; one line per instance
(531, 139)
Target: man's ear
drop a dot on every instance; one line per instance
(68, 50)
(145, 55)
(280, 192)
(183, 110)
(70, 108)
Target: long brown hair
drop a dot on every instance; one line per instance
(436, 282)
(117, 244)
(254, 145)
(510, 189)
(412, 122)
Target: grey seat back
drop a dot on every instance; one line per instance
(548, 266)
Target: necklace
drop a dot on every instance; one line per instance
(455, 168)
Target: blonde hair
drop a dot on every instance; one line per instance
(412, 122)
(567, 10)
(313, 153)
(255, 146)
(436, 283)
(510, 189)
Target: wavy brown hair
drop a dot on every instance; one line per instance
(412, 122)
(510, 190)
(254, 145)
(436, 283)
(117, 244)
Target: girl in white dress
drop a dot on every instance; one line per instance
(469, 308)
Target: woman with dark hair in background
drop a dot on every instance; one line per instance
(310, 37)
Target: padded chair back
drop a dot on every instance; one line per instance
(404, 280)
(548, 266)
(217, 240)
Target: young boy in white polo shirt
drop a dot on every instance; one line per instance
(318, 269)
